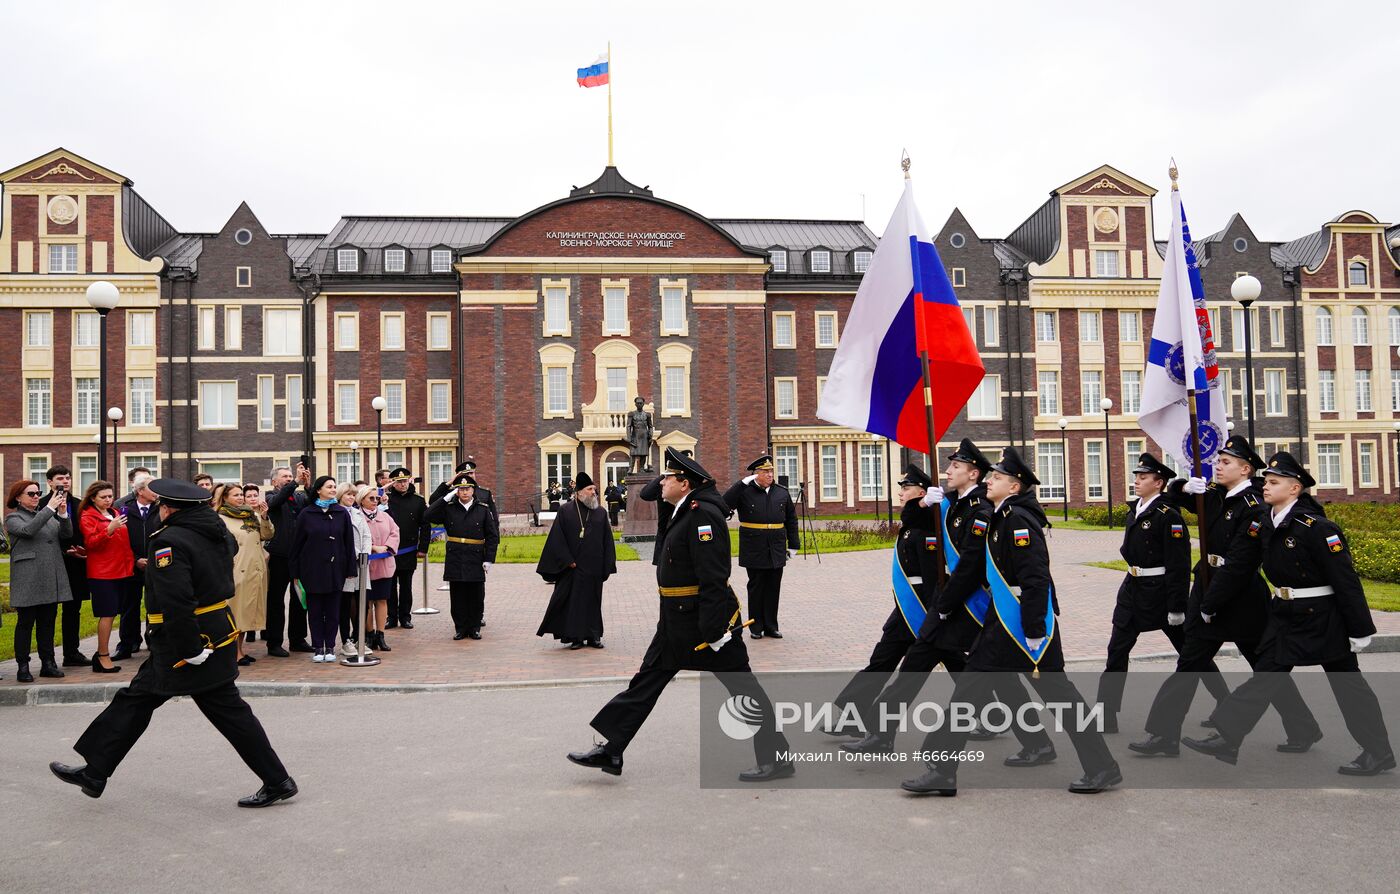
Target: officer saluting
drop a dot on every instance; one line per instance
(1318, 616)
(767, 534)
(698, 629)
(189, 580)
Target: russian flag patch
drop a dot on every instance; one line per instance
(1334, 543)
(164, 556)
(706, 532)
(1178, 531)
(1022, 536)
(1253, 529)
(979, 527)
(930, 543)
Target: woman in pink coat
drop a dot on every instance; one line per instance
(384, 538)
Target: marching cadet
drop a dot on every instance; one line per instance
(1157, 548)
(190, 631)
(1021, 636)
(767, 538)
(698, 629)
(1229, 591)
(1318, 616)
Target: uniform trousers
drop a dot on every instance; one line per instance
(283, 610)
(36, 622)
(401, 595)
(1174, 698)
(129, 635)
(1120, 646)
(621, 718)
(468, 604)
(108, 739)
(764, 587)
(1360, 709)
(895, 642)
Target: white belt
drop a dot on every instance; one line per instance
(916, 580)
(1136, 571)
(1303, 592)
(1214, 561)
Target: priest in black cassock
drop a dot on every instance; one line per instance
(578, 556)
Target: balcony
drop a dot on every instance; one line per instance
(603, 425)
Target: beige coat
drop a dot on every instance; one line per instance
(249, 601)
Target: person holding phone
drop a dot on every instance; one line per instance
(60, 479)
(38, 580)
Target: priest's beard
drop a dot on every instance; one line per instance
(590, 502)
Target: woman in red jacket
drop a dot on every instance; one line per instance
(109, 564)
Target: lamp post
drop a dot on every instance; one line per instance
(379, 403)
(102, 296)
(1064, 461)
(1245, 289)
(354, 461)
(115, 414)
(1107, 405)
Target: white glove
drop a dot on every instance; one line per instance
(1176, 619)
(942, 616)
(1036, 643)
(1205, 617)
(750, 479)
(200, 658)
(1359, 642)
(486, 567)
(1194, 486)
(933, 497)
(719, 643)
(792, 553)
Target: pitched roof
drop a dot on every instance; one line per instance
(414, 232)
(1305, 251)
(181, 252)
(842, 237)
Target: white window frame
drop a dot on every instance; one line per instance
(871, 467)
(267, 410)
(43, 337)
(1327, 391)
(1326, 452)
(38, 402)
(1277, 334)
(386, 321)
(1395, 390)
(618, 290)
(675, 401)
(991, 325)
(1041, 383)
(243, 277)
(1360, 326)
(1352, 266)
(558, 383)
(958, 277)
(439, 464)
(1365, 396)
(1103, 267)
(445, 319)
(205, 324)
(1325, 329)
(1392, 317)
(84, 471)
(1090, 327)
(293, 415)
(1052, 318)
(988, 391)
(1132, 404)
(141, 403)
(347, 260)
(218, 468)
(817, 319)
(1275, 398)
(89, 397)
(860, 260)
(1094, 449)
(831, 485)
(233, 328)
(787, 460)
(67, 254)
(440, 260)
(88, 320)
(1050, 466)
(667, 285)
(445, 385)
(552, 292)
(791, 318)
(395, 260)
(819, 260)
(615, 388)
(340, 389)
(274, 321)
(778, 388)
(1366, 463)
(778, 258)
(35, 471)
(1089, 402)
(205, 403)
(1237, 328)
(1136, 327)
(346, 339)
(386, 388)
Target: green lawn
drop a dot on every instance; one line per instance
(525, 549)
(1381, 596)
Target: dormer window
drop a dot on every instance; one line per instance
(347, 260)
(394, 260)
(860, 261)
(821, 260)
(442, 260)
(778, 258)
(1356, 273)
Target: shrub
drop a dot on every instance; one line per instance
(1098, 515)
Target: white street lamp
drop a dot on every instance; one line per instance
(102, 296)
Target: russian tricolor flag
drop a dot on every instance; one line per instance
(905, 304)
(595, 75)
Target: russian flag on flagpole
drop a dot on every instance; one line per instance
(1182, 341)
(595, 75)
(905, 304)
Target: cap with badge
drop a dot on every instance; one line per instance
(1239, 447)
(400, 474)
(1150, 465)
(1012, 464)
(179, 494)
(464, 479)
(763, 463)
(1284, 465)
(685, 466)
(915, 477)
(967, 452)
(468, 466)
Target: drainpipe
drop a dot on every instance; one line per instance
(309, 286)
(1290, 279)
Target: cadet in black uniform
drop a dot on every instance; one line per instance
(767, 537)
(1229, 591)
(1021, 557)
(190, 632)
(407, 508)
(1157, 548)
(698, 628)
(1318, 616)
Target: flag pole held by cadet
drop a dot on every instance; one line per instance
(1191, 404)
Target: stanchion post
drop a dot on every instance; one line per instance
(360, 659)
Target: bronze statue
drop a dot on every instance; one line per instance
(639, 434)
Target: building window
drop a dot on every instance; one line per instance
(1093, 470)
(281, 332)
(559, 467)
(38, 328)
(1213, 315)
(218, 404)
(1050, 469)
(1395, 390)
(778, 258)
(395, 458)
(1363, 391)
(141, 328)
(1360, 326)
(558, 387)
(615, 310)
(991, 326)
(347, 332)
(1356, 274)
(391, 332)
(1366, 464)
(143, 461)
(1045, 326)
(63, 259)
(821, 386)
(1323, 316)
(233, 328)
(1090, 390)
(616, 378)
(347, 260)
(556, 310)
(957, 240)
(959, 277)
(1327, 390)
(143, 401)
(1329, 465)
(393, 400)
(1132, 449)
(87, 472)
(785, 464)
(1394, 317)
(673, 321)
(1237, 330)
(1090, 326)
(441, 260)
(826, 328)
(267, 420)
(346, 465)
(872, 471)
(860, 261)
(675, 398)
(347, 403)
(785, 398)
(439, 401)
(86, 411)
(985, 402)
(1132, 391)
(243, 277)
(1276, 333)
(831, 472)
(394, 260)
(784, 325)
(87, 331)
(293, 403)
(39, 404)
(1105, 263)
(1274, 384)
(439, 468)
(439, 332)
(821, 261)
(243, 236)
(205, 327)
(37, 466)
(1049, 390)
(223, 472)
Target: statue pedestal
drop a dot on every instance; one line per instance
(639, 522)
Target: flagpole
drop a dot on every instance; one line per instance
(1191, 403)
(610, 80)
(928, 394)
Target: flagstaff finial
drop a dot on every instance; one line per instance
(904, 162)
(1171, 172)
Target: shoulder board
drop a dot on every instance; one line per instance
(1250, 499)
(972, 501)
(1306, 520)
(1006, 513)
(1213, 486)
(1164, 509)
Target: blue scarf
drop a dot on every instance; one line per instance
(325, 504)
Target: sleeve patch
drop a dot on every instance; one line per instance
(1178, 531)
(979, 528)
(1254, 529)
(705, 532)
(164, 556)
(1334, 543)
(930, 543)
(1022, 536)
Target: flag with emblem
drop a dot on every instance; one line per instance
(163, 556)
(979, 527)
(1022, 536)
(705, 532)
(1334, 543)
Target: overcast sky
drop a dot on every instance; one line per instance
(1283, 111)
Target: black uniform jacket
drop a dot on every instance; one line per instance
(464, 560)
(1309, 550)
(1156, 538)
(190, 566)
(482, 496)
(408, 510)
(1021, 552)
(969, 523)
(1233, 594)
(763, 547)
(695, 553)
(916, 548)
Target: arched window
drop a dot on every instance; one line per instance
(1324, 326)
(1360, 326)
(1394, 326)
(1357, 274)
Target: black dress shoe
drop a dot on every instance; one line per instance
(849, 732)
(1093, 783)
(391, 624)
(1298, 746)
(981, 734)
(278, 652)
(1368, 764)
(75, 659)
(406, 624)
(1157, 745)
(270, 794)
(932, 783)
(1216, 745)
(757, 634)
(91, 785)
(775, 634)
(473, 635)
(99, 668)
(597, 758)
(595, 644)
(1209, 722)
(301, 645)
(769, 772)
(121, 654)
(1031, 757)
(459, 635)
(50, 669)
(23, 675)
(245, 661)
(574, 647)
(871, 744)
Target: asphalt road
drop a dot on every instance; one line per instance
(470, 791)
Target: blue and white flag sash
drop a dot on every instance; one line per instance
(904, 596)
(978, 602)
(1009, 611)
